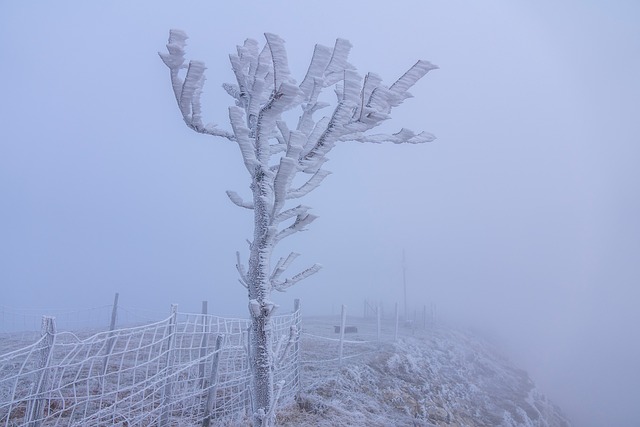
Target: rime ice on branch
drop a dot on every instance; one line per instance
(275, 152)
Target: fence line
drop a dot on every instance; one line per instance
(367, 333)
(187, 369)
(27, 321)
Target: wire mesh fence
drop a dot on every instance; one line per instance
(182, 370)
(186, 369)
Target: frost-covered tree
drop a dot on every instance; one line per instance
(275, 153)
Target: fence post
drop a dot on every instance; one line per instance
(166, 395)
(36, 410)
(395, 335)
(204, 342)
(111, 339)
(248, 399)
(114, 312)
(213, 383)
(343, 321)
(378, 315)
(424, 316)
(296, 345)
(433, 313)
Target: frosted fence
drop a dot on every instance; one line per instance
(324, 345)
(177, 371)
(27, 321)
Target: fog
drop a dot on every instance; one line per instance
(521, 219)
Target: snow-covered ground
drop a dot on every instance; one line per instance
(429, 377)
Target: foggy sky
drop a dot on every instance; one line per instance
(520, 219)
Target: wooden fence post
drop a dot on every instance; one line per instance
(213, 383)
(424, 316)
(114, 312)
(297, 321)
(433, 313)
(378, 316)
(36, 410)
(166, 394)
(395, 335)
(248, 401)
(343, 322)
(111, 340)
(204, 342)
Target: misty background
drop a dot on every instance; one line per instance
(520, 220)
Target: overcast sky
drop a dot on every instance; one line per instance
(521, 218)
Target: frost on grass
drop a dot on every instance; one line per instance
(433, 378)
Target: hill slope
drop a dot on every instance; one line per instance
(437, 377)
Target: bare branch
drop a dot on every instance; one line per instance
(282, 265)
(290, 213)
(244, 141)
(338, 63)
(302, 220)
(279, 57)
(403, 136)
(187, 92)
(319, 61)
(238, 201)
(335, 128)
(283, 285)
(287, 169)
(310, 185)
(293, 336)
(415, 73)
(241, 270)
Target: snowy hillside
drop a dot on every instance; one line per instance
(437, 377)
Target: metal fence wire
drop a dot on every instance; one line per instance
(186, 370)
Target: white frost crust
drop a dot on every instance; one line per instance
(273, 153)
(411, 77)
(279, 57)
(310, 185)
(319, 62)
(187, 92)
(263, 91)
(283, 285)
(238, 201)
(287, 169)
(242, 271)
(242, 137)
(290, 213)
(338, 63)
(402, 137)
(302, 220)
(282, 265)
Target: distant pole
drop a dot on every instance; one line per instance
(378, 315)
(343, 322)
(424, 316)
(404, 281)
(395, 335)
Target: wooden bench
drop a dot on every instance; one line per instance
(347, 329)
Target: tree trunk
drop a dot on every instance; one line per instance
(260, 307)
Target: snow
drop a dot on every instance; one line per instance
(433, 377)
